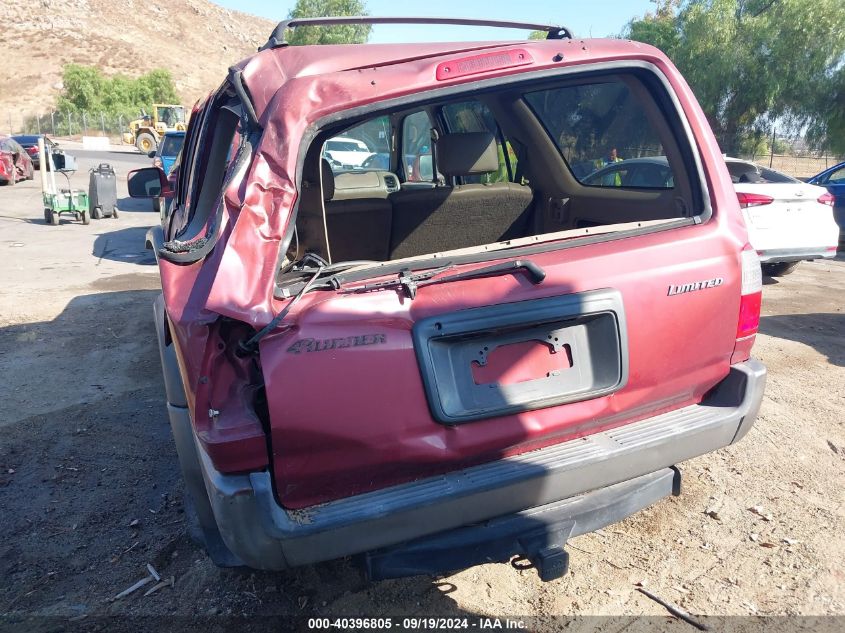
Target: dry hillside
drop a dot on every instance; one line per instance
(195, 39)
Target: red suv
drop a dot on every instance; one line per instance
(464, 349)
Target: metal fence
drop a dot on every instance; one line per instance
(796, 165)
(68, 124)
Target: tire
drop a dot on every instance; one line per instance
(47, 213)
(97, 213)
(114, 213)
(780, 269)
(146, 143)
(157, 205)
(86, 217)
(54, 218)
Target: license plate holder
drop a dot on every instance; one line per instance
(589, 328)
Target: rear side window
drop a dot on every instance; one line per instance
(599, 126)
(837, 177)
(416, 147)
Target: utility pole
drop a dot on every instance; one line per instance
(772, 151)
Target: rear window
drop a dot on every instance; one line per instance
(171, 145)
(745, 172)
(596, 128)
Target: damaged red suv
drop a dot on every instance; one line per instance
(457, 347)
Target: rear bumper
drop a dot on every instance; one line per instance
(265, 535)
(776, 255)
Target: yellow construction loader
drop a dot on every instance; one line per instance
(146, 132)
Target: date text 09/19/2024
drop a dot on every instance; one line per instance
(416, 623)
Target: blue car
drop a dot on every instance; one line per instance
(834, 179)
(168, 150)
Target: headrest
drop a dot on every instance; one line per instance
(327, 179)
(467, 153)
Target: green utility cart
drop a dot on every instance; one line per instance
(57, 201)
(68, 201)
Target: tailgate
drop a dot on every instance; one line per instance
(373, 389)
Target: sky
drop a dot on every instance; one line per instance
(584, 19)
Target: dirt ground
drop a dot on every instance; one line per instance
(90, 491)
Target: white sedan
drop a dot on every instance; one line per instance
(346, 153)
(788, 221)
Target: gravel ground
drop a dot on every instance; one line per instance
(90, 491)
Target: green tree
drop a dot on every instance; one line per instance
(83, 88)
(341, 34)
(752, 63)
(86, 89)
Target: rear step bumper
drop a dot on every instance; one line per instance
(537, 535)
(265, 535)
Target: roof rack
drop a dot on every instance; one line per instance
(277, 37)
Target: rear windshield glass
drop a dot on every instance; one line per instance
(743, 172)
(171, 145)
(598, 128)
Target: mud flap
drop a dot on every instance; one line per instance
(537, 537)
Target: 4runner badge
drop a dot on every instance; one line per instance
(324, 345)
(696, 285)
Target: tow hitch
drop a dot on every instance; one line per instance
(535, 538)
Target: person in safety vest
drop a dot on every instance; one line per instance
(615, 179)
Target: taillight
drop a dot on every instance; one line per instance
(827, 198)
(753, 199)
(32, 151)
(752, 294)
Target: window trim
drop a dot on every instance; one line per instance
(199, 244)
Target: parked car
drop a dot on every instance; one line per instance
(30, 143)
(168, 150)
(833, 180)
(434, 375)
(788, 221)
(346, 152)
(15, 163)
(164, 158)
(647, 173)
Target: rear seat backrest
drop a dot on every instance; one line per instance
(357, 228)
(451, 217)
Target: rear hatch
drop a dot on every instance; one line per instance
(372, 388)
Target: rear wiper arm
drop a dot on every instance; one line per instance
(412, 282)
(406, 280)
